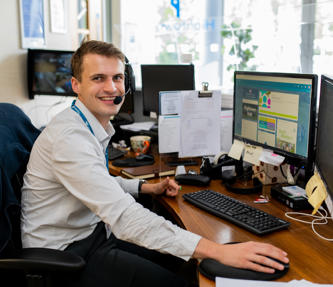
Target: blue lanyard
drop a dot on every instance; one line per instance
(83, 117)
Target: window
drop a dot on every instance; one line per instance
(173, 34)
(89, 20)
(220, 36)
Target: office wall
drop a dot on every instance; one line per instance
(13, 86)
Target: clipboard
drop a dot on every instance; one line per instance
(205, 93)
(200, 123)
(175, 138)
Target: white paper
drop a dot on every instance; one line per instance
(199, 124)
(227, 282)
(269, 157)
(252, 154)
(236, 149)
(170, 102)
(294, 190)
(139, 126)
(226, 130)
(168, 134)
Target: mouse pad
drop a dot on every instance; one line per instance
(212, 268)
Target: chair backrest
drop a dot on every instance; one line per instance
(17, 135)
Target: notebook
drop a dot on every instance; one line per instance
(149, 171)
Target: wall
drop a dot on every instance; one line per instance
(13, 86)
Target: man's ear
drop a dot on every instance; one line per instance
(75, 85)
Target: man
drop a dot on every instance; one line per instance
(69, 200)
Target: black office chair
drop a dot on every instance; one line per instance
(24, 266)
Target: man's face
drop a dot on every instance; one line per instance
(102, 79)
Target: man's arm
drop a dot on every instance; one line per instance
(167, 186)
(247, 255)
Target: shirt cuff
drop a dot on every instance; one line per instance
(129, 185)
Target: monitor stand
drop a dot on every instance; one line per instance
(240, 181)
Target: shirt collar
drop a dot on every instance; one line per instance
(103, 135)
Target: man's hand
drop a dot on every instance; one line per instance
(247, 255)
(167, 186)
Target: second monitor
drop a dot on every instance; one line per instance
(277, 111)
(156, 78)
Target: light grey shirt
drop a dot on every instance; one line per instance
(67, 190)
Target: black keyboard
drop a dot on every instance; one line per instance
(114, 153)
(237, 212)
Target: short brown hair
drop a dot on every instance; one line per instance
(93, 47)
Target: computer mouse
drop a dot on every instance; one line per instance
(286, 265)
(144, 157)
(212, 268)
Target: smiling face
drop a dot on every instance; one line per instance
(102, 79)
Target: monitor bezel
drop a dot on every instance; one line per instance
(147, 112)
(317, 167)
(31, 56)
(291, 158)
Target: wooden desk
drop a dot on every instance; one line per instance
(311, 257)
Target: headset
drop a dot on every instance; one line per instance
(214, 169)
(229, 177)
(229, 180)
(129, 82)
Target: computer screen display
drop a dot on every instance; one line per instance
(156, 78)
(324, 142)
(276, 111)
(49, 72)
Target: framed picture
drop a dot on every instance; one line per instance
(32, 24)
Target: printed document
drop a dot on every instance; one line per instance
(199, 124)
(168, 134)
(227, 282)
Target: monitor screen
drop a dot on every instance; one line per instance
(276, 111)
(49, 73)
(156, 78)
(324, 142)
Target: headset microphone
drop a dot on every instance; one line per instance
(118, 100)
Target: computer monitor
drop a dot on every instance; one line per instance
(324, 141)
(156, 78)
(49, 72)
(277, 111)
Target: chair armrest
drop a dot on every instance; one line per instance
(43, 259)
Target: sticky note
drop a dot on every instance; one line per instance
(316, 191)
(317, 197)
(236, 149)
(312, 184)
(252, 154)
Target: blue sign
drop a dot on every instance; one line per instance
(175, 4)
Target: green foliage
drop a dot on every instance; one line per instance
(244, 52)
(167, 58)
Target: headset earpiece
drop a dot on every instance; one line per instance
(219, 157)
(129, 78)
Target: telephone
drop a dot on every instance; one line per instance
(214, 169)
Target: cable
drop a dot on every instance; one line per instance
(320, 219)
(282, 172)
